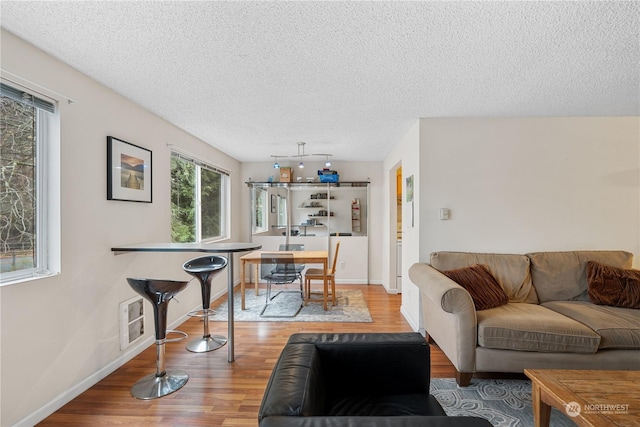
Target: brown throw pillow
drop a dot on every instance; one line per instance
(613, 286)
(481, 285)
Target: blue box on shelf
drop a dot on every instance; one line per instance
(327, 175)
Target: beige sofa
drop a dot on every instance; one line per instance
(549, 321)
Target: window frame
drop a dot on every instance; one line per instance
(281, 210)
(264, 227)
(47, 187)
(225, 191)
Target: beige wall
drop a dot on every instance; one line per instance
(60, 334)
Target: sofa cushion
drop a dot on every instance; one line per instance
(386, 405)
(510, 270)
(617, 327)
(613, 286)
(562, 276)
(531, 327)
(481, 285)
(357, 355)
(399, 421)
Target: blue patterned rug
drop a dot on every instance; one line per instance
(351, 306)
(505, 403)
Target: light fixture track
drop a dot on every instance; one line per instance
(300, 154)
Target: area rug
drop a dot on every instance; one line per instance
(350, 307)
(505, 403)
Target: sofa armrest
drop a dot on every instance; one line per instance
(371, 363)
(449, 315)
(400, 421)
(295, 387)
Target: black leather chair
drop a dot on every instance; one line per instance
(354, 379)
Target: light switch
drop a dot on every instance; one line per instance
(444, 213)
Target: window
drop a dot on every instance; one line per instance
(198, 200)
(262, 211)
(282, 210)
(25, 141)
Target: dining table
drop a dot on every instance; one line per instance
(299, 257)
(228, 248)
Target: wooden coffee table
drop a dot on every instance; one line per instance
(589, 398)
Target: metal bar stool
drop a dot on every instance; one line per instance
(205, 269)
(163, 382)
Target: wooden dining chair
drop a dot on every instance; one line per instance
(316, 274)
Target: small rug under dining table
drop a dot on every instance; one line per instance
(351, 306)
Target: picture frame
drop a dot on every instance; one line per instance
(129, 171)
(274, 205)
(409, 189)
(408, 207)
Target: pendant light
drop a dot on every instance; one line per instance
(301, 144)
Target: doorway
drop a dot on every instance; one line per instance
(398, 210)
(395, 228)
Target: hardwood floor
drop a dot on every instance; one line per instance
(220, 393)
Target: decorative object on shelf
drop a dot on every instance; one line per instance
(128, 171)
(355, 215)
(286, 175)
(327, 175)
(300, 155)
(320, 196)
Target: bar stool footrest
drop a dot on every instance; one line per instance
(201, 313)
(182, 335)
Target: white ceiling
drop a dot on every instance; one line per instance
(348, 78)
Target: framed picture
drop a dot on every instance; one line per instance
(410, 188)
(273, 203)
(408, 207)
(128, 171)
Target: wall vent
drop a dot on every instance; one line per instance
(131, 321)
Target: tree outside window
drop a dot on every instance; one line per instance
(28, 133)
(17, 185)
(197, 201)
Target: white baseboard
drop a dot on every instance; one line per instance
(75, 391)
(414, 325)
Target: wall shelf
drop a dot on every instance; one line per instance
(288, 212)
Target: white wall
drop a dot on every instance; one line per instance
(60, 334)
(524, 185)
(406, 154)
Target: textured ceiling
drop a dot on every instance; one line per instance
(348, 78)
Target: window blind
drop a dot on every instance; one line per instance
(26, 98)
(198, 162)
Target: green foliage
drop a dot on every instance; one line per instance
(183, 203)
(210, 185)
